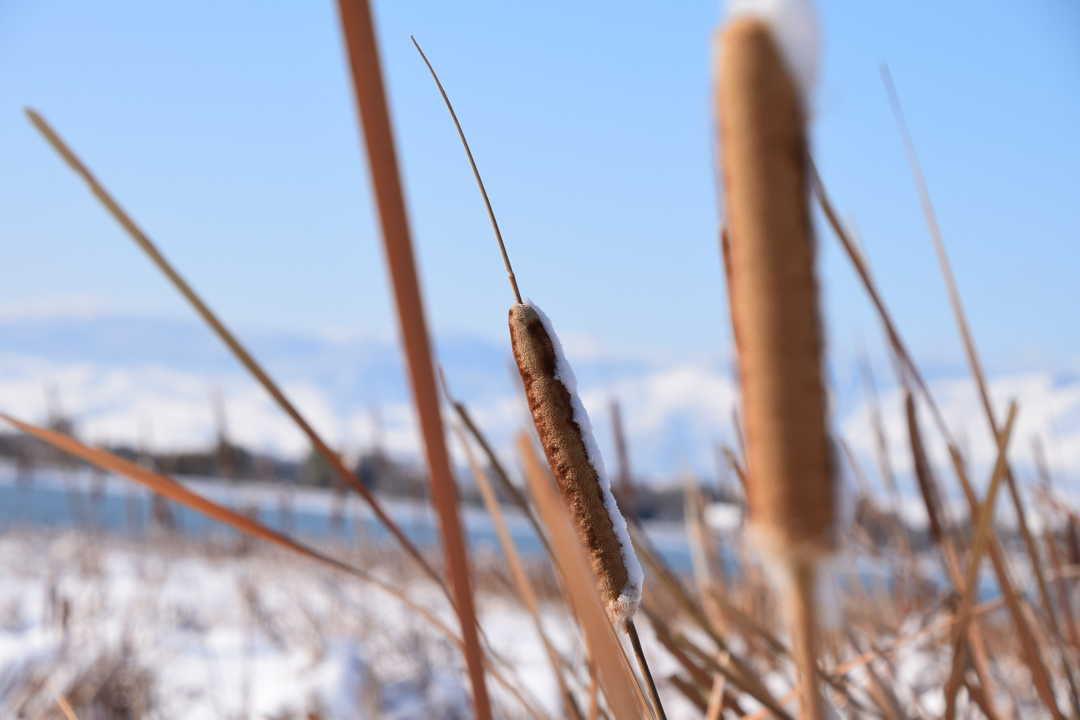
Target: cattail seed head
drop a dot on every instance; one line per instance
(769, 256)
(566, 435)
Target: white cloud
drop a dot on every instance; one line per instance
(1047, 409)
(673, 413)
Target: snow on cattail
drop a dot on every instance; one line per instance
(566, 435)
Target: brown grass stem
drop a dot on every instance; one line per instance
(969, 348)
(476, 174)
(803, 608)
(1030, 653)
(62, 703)
(620, 687)
(518, 575)
(177, 493)
(360, 41)
(241, 353)
(982, 538)
(963, 326)
(646, 673)
(519, 499)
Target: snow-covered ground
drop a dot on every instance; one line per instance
(187, 629)
(216, 626)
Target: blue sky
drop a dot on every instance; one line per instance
(229, 133)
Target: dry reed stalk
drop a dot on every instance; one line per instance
(367, 78)
(566, 433)
(62, 703)
(707, 569)
(493, 460)
(622, 457)
(241, 353)
(517, 573)
(772, 291)
(944, 540)
(715, 709)
(602, 530)
(1056, 561)
(972, 355)
(179, 494)
(1029, 654)
(735, 669)
(982, 538)
(620, 687)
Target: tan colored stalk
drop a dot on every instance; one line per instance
(772, 291)
(517, 571)
(552, 407)
(975, 365)
(624, 696)
(982, 539)
(944, 540)
(969, 348)
(1030, 652)
(367, 79)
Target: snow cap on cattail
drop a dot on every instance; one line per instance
(572, 453)
(767, 61)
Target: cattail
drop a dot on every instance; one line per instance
(769, 258)
(772, 290)
(572, 453)
(566, 436)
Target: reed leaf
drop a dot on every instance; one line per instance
(241, 353)
(370, 96)
(620, 687)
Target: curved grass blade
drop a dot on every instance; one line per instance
(179, 494)
(143, 241)
(620, 686)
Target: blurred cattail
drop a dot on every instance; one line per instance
(769, 257)
(566, 435)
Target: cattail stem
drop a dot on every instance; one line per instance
(643, 664)
(804, 624)
(360, 41)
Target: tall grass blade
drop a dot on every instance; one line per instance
(969, 349)
(982, 537)
(619, 684)
(517, 572)
(227, 337)
(179, 494)
(1030, 653)
(367, 78)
